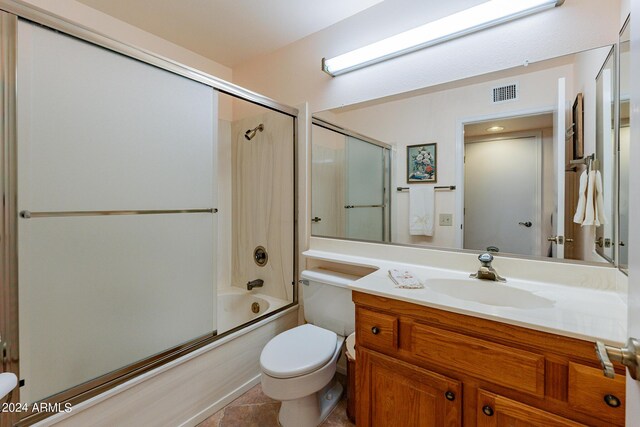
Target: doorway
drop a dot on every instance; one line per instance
(509, 197)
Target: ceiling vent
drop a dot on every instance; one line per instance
(505, 93)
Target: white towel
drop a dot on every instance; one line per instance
(582, 199)
(600, 216)
(590, 210)
(404, 279)
(421, 211)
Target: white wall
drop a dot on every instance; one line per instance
(625, 9)
(292, 74)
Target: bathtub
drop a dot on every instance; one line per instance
(236, 307)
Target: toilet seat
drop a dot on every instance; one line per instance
(298, 351)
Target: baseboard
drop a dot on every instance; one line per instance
(220, 403)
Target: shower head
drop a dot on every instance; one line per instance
(252, 132)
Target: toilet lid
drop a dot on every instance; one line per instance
(298, 351)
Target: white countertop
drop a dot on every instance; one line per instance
(583, 313)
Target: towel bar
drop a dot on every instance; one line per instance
(441, 187)
(28, 214)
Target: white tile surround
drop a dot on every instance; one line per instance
(590, 301)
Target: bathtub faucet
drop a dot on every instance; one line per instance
(255, 284)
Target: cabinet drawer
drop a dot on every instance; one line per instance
(517, 369)
(375, 330)
(498, 411)
(589, 391)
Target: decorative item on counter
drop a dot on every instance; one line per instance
(405, 280)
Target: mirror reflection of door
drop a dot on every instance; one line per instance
(502, 195)
(509, 185)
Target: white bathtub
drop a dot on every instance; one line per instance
(235, 307)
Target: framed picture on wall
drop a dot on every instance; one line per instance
(577, 113)
(422, 163)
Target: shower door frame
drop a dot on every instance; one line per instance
(10, 12)
(387, 160)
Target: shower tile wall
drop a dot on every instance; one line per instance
(262, 194)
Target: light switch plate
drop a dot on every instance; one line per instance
(446, 220)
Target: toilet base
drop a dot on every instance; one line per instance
(311, 410)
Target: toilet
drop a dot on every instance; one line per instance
(298, 366)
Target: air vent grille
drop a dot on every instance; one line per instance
(504, 93)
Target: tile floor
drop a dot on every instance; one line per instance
(254, 409)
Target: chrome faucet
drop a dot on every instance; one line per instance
(486, 272)
(255, 284)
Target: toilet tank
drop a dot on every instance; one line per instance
(327, 300)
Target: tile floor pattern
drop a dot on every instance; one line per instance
(254, 409)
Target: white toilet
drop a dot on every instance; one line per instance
(298, 365)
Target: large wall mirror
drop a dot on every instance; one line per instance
(623, 147)
(520, 161)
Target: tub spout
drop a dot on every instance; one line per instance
(255, 284)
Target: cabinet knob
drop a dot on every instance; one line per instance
(450, 395)
(487, 410)
(375, 330)
(612, 400)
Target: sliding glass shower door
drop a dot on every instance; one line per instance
(366, 191)
(115, 163)
(351, 178)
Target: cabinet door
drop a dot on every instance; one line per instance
(498, 411)
(392, 393)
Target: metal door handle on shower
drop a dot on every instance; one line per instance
(364, 206)
(526, 224)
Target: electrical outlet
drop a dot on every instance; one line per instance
(446, 220)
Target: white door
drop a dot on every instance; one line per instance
(502, 195)
(559, 138)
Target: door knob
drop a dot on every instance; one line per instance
(629, 356)
(557, 239)
(526, 224)
(316, 219)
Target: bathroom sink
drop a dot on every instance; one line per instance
(489, 293)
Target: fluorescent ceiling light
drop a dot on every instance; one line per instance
(479, 17)
(495, 129)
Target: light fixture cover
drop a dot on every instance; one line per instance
(479, 17)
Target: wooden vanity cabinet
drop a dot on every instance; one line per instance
(401, 394)
(419, 366)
